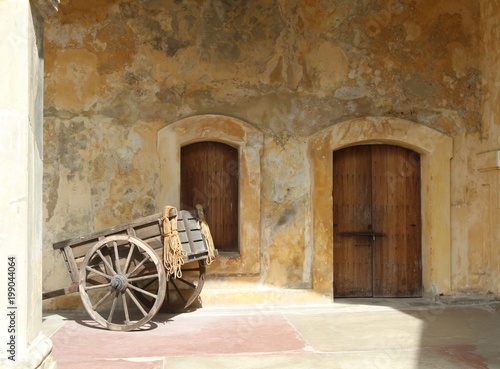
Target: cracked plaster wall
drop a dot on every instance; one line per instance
(119, 71)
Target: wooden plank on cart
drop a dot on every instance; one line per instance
(151, 219)
(73, 287)
(149, 229)
(146, 228)
(190, 235)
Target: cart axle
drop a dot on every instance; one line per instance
(119, 283)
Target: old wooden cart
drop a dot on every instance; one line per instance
(120, 274)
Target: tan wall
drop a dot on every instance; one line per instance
(118, 72)
(476, 177)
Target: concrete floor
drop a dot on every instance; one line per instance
(351, 333)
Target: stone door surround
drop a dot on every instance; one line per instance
(435, 150)
(249, 141)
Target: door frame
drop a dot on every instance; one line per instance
(249, 142)
(435, 151)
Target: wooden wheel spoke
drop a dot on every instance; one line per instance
(129, 257)
(106, 262)
(144, 292)
(97, 286)
(178, 291)
(186, 282)
(149, 283)
(134, 299)
(113, 307)
(90, 269)
(102, 300)
(125, 309)
(168, 294)
(117, 258)
(141, 278)
(137, 267)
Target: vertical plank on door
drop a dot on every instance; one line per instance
(413, 225)
(352, 212)
(383, 256)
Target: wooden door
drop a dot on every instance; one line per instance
(209, 176)
(377, 227)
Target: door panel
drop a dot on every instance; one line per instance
(352, 255)
(395, 253)
(396, 201)
(209, 176)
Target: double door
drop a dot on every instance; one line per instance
(377, 222)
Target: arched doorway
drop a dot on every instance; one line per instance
(209, 176)
(377, 248)
(435, 151)
(248, 141)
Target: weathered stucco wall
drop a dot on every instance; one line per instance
(486, 260)
(475, 177)
(117, 72)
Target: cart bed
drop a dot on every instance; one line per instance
(149, 229)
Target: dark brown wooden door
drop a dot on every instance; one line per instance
(209, 176)
(377, 226)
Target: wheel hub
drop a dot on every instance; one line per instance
(119, 283)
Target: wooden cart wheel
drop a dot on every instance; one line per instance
(181, 292)
(110, 274)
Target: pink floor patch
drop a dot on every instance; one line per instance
(109, 364)
(180, 335)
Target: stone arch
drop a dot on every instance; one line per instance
(249, 142)
(435, 149)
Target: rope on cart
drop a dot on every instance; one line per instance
(205, 231)
(172, 247)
